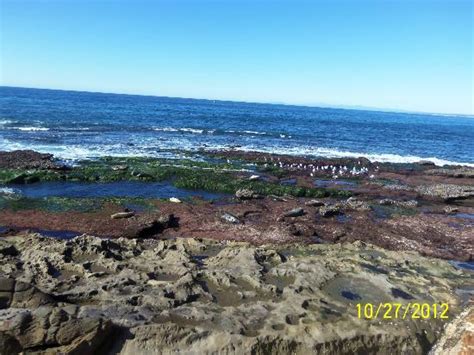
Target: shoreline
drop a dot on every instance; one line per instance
(237, 252)
(262, 198)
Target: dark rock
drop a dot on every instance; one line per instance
(148, 228)
(315, 203)
(27, 159)
(426, 163)
(328, 211)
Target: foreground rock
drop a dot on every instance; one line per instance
(148, 296)
(458, 337)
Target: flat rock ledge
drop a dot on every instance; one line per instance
(127, 296)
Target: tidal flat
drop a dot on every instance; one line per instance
(229, 251)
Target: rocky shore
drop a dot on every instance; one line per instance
(415, 207)
(142, 296)
(231, 252)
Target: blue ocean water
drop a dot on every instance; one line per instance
(76, 125)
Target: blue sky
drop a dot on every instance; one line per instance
(412, 55)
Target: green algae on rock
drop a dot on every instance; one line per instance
(188, 174)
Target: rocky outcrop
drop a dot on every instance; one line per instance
(462, 172)
(51, 329)
(27, 159)
(447, 192)
(458, 335)
(19, 294)
(160, 296)
(144, 227)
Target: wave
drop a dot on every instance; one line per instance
(73, 129)
(220, 131)
(335, 153)
(158, 148)
(31, 129)
(5, 122)
(184, 129)
(9, 192)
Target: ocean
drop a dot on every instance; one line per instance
(81, 125)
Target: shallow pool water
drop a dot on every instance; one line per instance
(343, 184)
(112, 189)
(45, 232)
(465, 215)
(466, 265)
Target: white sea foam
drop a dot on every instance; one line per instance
(157, 148)
(8, 191)
(255, 132)
(5, 122)
(334, 153)
(192, 130)
(31, 129)
(184, 129)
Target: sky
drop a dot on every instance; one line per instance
(413, 55)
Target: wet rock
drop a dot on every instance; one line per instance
(27, 159)
(446, 192)
(314, 203)
(120, 215)
(143, 228)
(330, 210)
(247, 194)
(23, 179)
(230, 218)
(426, 163)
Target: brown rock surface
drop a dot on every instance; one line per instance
(146, 296)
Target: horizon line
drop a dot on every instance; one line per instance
(276, 103)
